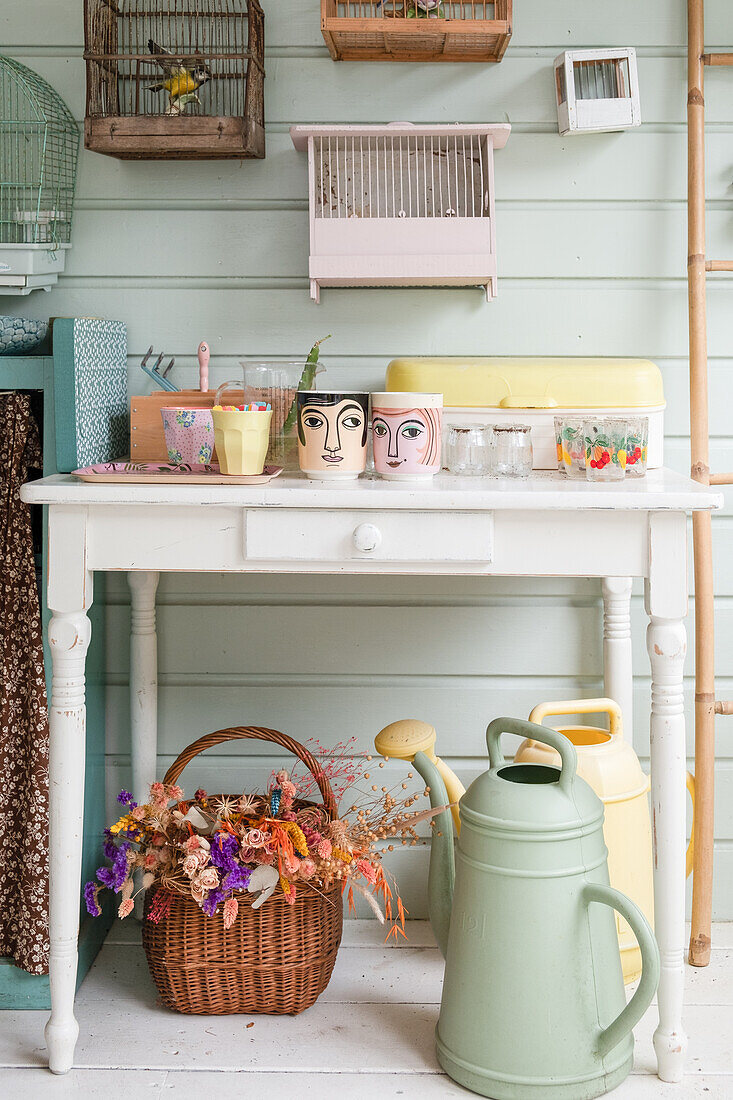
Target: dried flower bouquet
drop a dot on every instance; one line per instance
(216, 849)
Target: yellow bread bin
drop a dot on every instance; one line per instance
(534, 390)
(610, 766)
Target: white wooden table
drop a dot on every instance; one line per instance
(546, 526)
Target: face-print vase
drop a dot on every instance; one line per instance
(332, 434)
(406, 435)
(189, 435)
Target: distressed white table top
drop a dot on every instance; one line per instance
(660, 490)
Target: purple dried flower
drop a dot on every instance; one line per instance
(90, 897)
(211, 901)
(126, 799)
(238, 879)
(114, 876)
(224, 850)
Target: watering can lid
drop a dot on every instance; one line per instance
(530, 796)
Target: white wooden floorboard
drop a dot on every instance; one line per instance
(96, 1084)
(351, 1086)
(369, 1035)
(39, 1084)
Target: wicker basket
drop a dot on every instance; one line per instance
(277, 959)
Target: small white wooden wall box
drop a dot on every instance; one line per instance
(597, 91)
(401, 204)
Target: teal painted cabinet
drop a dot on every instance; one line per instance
(79, 394)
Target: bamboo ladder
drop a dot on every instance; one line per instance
(706, 705)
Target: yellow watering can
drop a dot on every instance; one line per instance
(403, 739)
(610, 766)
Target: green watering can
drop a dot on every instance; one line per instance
(533, 1001)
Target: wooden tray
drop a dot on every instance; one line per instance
(158, 473)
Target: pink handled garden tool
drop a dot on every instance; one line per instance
(203, 357)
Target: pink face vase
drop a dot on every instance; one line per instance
(406, 438)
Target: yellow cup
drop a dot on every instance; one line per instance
(241, 440)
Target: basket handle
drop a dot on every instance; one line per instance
(257, 733)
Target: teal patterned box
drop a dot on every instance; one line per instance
(90, 386)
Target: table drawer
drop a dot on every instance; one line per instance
(340, 536)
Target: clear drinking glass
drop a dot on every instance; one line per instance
(637, 443)
(512, 450)
(605, 448)
(468, 449)
(570, 439)
(276, 383)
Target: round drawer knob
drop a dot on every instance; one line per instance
(367, 537)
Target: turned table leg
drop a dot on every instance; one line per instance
(69, 634)
(143, 692)
(143, 682)
(617, 668)
(666, 605)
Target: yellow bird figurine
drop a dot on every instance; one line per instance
(180, 81)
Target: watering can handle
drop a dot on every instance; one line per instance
(547, 736)
(642, 998)
(581, 706)
(691, 846)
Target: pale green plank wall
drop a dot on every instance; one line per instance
(591, 243)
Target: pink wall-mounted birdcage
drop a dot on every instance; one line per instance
(401, 204)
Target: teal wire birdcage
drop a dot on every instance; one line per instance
(39, 146)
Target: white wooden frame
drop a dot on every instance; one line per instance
(368, 235)
(576, 115)
(291, 525)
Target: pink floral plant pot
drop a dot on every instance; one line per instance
(189, 435)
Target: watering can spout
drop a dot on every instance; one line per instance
(401, 740)
(442, 860)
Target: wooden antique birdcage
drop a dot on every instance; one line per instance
(416, 30)
(181, 79)
(39, 146)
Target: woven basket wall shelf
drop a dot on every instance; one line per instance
(181, 80)
(416, 30)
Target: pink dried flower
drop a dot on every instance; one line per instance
(208, 879)
(290, 896)
(197, 892)
(231, 908)
(324, 848)
(126, 907)
(192, 844)
(307, 868)
(175, 792)
(160, 906)
(159, 840)
(367, 870)
(137, 813)
(292, 865)
(251, 855)
(190, 865)
(255, 838)
(151, 861)
(157, 794)
(266, 858)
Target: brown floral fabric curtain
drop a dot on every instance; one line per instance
(23, 706)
